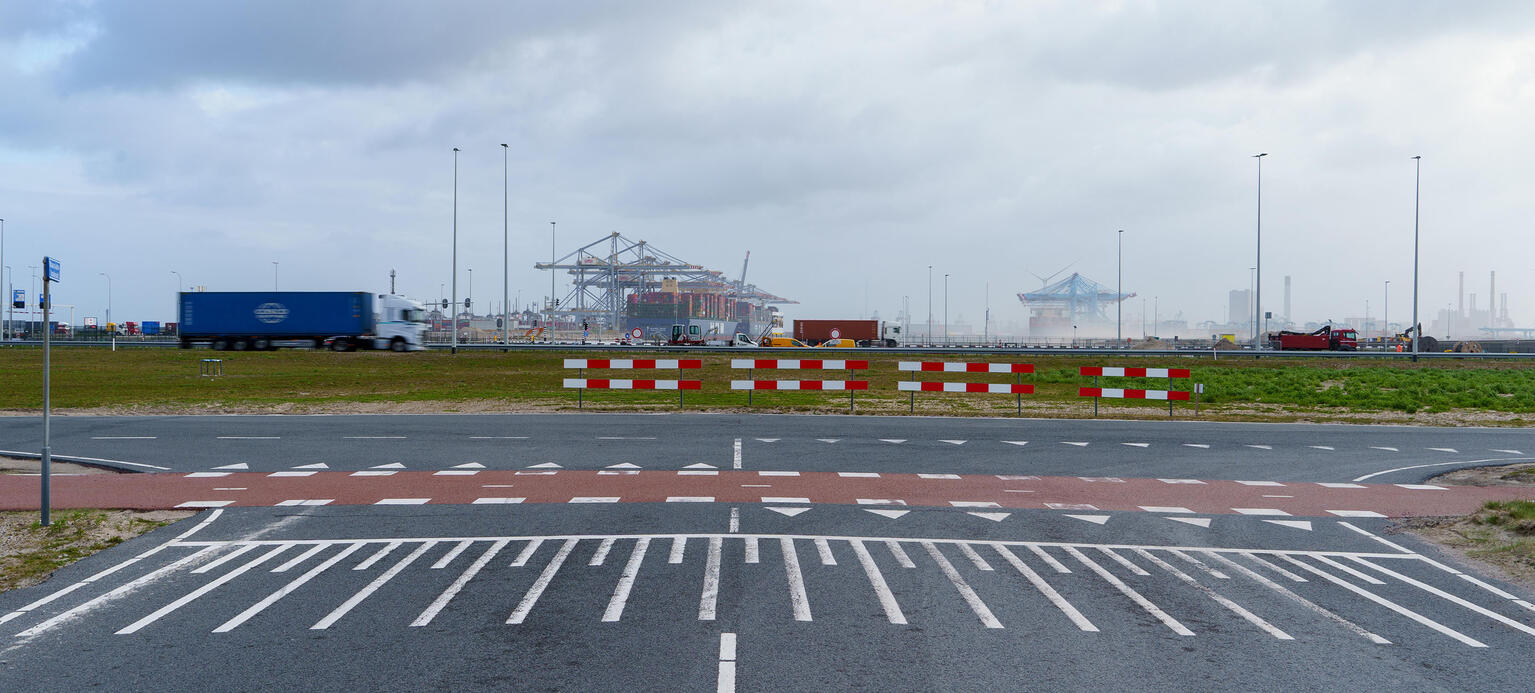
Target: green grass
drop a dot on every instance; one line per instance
(36, 551)
(165, 380)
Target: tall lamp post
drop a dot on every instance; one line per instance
(1119, 299)
(453, 312)
(274, 276)
(10, 313)
(1258, 281)
(506, 249)
(550, 306)
(1417, 181)
(946, 309)
(929, 336)
(109, 309)
(4, 324)
(1385, 319)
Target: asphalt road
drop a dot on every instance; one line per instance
(745, 590)
(1278, 452)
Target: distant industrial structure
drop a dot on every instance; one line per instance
(1071, 306)
(618, 283)
(1468, 321)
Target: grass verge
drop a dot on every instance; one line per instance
(151, 381)
(30, 552)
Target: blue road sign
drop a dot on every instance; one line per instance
(53, 268)
(18, 298)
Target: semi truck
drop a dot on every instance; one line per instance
(266, 320)
(865, 333)
(1324, 339)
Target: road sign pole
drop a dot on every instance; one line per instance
(47, 348)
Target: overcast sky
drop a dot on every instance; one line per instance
(848, 145)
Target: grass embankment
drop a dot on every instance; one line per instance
(1502, 534)
(30, 552)
(167, 381)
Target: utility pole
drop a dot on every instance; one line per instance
(453, 312)
(1416, 188)
(1258, 282)
(929, 336)
(1119, 299)
(550, 305)
(506, 247)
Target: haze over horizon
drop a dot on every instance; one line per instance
(846, 145)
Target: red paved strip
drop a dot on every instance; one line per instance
(158, 491)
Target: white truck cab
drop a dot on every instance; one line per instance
(400, 322)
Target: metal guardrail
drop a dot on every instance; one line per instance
(1215, 354)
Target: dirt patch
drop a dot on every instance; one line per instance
(29, 552)
(17, 465)
(1486, 549)
(1506, 475)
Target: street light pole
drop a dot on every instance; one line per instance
(946, 309)
(1416, 188)
(550, 305)
(506, 248)
(1258, 281)
(4, 324)
(1119, 298)
(1385, 319)
(929, 335)
(453, 311)
(274, 276)
(109, 296)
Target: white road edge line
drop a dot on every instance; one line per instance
(1443, 464)
(194, 594)
(542, 583)
(151, 576)
(463, 579)
(1435, 625)
(620, 597)
(1045, 589)
(974, 600)
(1234, 607)
(1355, 628)
(1134, 596)
(797, 597)
(877, 581)
(287, 589)
(372, 587)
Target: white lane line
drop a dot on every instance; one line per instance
(938, 476)
(899, 553)
(823, 548)
(1387, 449)
(736, 464)
(1202, 446)
(1049, 560)
(858, 475)
(498, 437)
(1234, 607)
(1137, 445)
(205, 504)
(690, 499)
(980, 563)
(334, 616)
(1356, 513)
(402, 501)
(378, 556)
(620, 597)
(1350, 625)
(287, 589)
(149, 577)
(1396, 546)
(877, 581)
(390, 465)
(210, 518)
(194, 594)
(1260, 483)
(893, 441)
(231, 488)
(1261, 447)
(753, 553)
(710, 596)
(542, 583)
(777, 473)
(451, 554)
(952, 442)
(1134, 596)
(784, 499)
(735, 520)
(679, 545)
(798, 600)
(122, 437)
(373, 437)
(1044, 588)
(1133, 568)
(626, 437)
(1500, 618)
(497, 500)
(965, 591)
(602, 551)
(1510, 452)
(727, 676)
(1165, 509)
(295, 561)
(1421, 487)
(293, 473)
(250, 437)
(1181, 481)
(1320, 447)
(1199, 564)
(225, 559)
(1074, 442)
(1260, 561)
(595, 499)
(1261, 511)
(447, 595)
(1019, 443)
(373, 472)
(975, 504)
(1420, 618)
(1334, 484)
(456, 472)
(527, 553)
(1445, 450)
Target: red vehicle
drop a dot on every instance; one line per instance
(865, 333)
(1324, 339)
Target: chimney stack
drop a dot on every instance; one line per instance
(1287, 297)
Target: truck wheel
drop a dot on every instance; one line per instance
(398, 345)
(220, 344)
(185, 344)
(261, 344)
(239, 345)
(339, 345)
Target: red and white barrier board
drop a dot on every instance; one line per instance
(799, 385)
(1110, 372)
(1122, 393)
(964, 367)
(613, 384)
(635, 363)
(993, 388)
(801, 364)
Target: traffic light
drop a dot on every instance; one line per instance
(498, 323)
(467, 301)
(556, 303)
(445, 304)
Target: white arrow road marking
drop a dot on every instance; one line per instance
(896, 441)
(1378, 447)
(790, 512)
(1197, 445)
(317, 465)
(1261, 447)
(700, 465)
(994, 517)
(1444, 450)
(1295, 524)
(952, 442)
(828, 440)
(768, 440)
(1137, 445)
(1019, 443)
(1196, 521)
(622, 465)
(1095, 519)
(545, 465)
(1511, 452)
(391, 465)
(1320, 447)
(469, 465)
(1072, 442)
(892, 514)
(241, 465)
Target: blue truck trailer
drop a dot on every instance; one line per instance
(264, 320)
